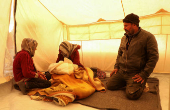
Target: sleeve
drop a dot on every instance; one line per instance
(60, 57)
(76, 58)
(116, 66)
(28, 67)
(152, 57)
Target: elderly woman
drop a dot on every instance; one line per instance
(25, 73)
(70, 51)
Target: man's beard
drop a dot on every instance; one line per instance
(129, 33)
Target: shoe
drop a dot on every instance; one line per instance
(23, 88)
(47, 75)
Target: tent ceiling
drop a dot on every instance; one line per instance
(75, 12)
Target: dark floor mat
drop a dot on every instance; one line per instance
(116, 100)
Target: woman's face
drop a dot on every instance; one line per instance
(64, 55)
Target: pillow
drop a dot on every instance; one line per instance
(98, 73)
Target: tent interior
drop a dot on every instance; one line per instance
(96, 25)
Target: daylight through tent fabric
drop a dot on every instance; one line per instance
(95, 25)
(5, 5)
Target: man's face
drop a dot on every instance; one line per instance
(129, 28)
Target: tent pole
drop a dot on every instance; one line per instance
(123, 8)
(15, 25)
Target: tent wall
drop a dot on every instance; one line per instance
(51, 22)
(34, 21)
(4, 27)
(97, 30)
(88, 11)
(100, 40)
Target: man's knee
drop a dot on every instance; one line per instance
(134, 93)
(111, 86)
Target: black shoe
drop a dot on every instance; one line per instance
(23, 88)
(47, 75)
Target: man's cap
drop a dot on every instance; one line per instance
(132, 18)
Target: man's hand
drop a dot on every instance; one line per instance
(138, 78)
(114, 71)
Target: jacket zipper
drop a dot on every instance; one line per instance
(126, 61)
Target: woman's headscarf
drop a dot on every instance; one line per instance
(29, 45)
(67, 48)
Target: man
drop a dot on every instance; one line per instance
(24, 71)
(136, 59)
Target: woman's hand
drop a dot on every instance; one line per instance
(42, 76)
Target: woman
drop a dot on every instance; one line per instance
(70, 51)
(24, 71)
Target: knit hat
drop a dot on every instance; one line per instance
(132, 18)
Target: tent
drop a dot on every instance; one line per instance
(94, 24)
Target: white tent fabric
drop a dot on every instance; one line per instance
(10, 50)
(75, 12)
(4, 27)
(42, 26)
(53, 21)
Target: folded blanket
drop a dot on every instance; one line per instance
(88, 75)
(60, 94)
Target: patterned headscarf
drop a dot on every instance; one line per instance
(67, 48)
(29, 45)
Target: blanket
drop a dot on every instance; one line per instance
(69, 87)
